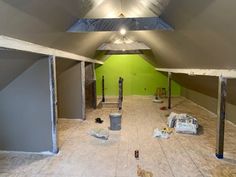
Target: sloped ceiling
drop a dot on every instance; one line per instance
(45, 22)
(204, 36)
(21, 60)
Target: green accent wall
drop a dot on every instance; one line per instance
(140, 77)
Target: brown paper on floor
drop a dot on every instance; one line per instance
(143, 173)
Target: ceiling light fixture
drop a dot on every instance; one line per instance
(123, 31)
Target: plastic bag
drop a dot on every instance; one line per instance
(100, 133)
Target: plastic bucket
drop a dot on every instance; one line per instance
(115, 121)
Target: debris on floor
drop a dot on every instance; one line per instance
(99, 120)
(161, 133)
(167, 115)
(183, 123)
(163, 108)
(143, 173)
(136, 154)
(168, 130)
(100, 133)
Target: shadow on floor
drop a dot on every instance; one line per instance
(19, 162)
(200, 130)
(230, 160)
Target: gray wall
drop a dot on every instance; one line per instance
(25, 116)
(21, 60)
(90, 86)
(209, 103)
(70, 93)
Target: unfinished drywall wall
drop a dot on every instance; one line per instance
(25, 114)
(209, 103)
(70, 92)
(140, 77)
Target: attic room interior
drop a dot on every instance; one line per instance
(117, 88)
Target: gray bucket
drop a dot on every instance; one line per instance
(115, 121)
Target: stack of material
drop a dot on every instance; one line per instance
(183, 123)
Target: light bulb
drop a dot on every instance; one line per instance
(123, 31)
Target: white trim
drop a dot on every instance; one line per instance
(12, 43)
(227, 73)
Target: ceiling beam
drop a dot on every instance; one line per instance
(16, 44)
(226, 73)
(123, 46)
(115, 24)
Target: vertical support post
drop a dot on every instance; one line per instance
(82, 64)
(120, 99)
(94, 87)
(169, 90)
(122, 84)
(53, 101)
(103, 89)
(222, 92)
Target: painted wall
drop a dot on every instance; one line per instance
(70, 98)
(90, 86)
(25, 114)
(209, 103)
(140, 77)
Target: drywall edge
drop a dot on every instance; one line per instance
(16, 44)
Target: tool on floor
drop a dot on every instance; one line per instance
(143, 173)
(136, 154)
(99, 120)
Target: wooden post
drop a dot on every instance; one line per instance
(94, 88)
(169, 90)
(222, 92)
(103, 89)
(53, 101)
(120, 99)
(83, 89)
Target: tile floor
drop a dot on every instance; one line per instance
(84, 156)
